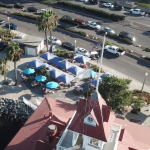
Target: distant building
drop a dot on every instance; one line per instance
(31, 45)
(90, 126)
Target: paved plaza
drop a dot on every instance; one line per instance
(64, 94)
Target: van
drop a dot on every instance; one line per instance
(94, 55)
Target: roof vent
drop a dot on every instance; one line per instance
(51, 132)
(20, 36)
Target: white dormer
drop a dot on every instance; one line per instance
(89, 120)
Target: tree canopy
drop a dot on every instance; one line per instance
(116, 92)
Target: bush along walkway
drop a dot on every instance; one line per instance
(80, 33)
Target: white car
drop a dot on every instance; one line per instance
(82, 51)
(93, 25)
(114, 50)
(108, 5)
(137, 12)
(42, 10)
(106, 29)
(54, 40)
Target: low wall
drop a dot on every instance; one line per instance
(14, 110)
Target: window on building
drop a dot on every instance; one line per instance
(93, 141)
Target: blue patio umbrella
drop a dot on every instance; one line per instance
(82, 59)
(94, 82)
(29, 71)
(52, 85)
(75, 70)
(65, 78)
(40, 78)
(93, 73)
(47, 56)
(108, 74)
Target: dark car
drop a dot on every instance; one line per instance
(120, 8)
(19, 6)
(94, 1)
(68, 46)
(80, 21)
(32, 9)
(12, 26)
(1, 21)
(3, 45)
(127, 35)
(66, 17)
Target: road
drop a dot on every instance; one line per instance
(141, 37)
(133, 67)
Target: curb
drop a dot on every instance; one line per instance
(81, 37)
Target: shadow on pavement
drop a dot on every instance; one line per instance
(140, 61)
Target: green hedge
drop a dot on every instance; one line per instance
(147, 49)
(69, 21)
(93, 11)
(72, 30)
(47, 2)
(64, 53)
(25, 16)
(115, 36)
(7, 6)
(143, 4)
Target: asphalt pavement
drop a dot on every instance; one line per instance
(131, 66)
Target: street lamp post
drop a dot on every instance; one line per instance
(75, 41)
(8, 23)
(100, 63)
(146, 74)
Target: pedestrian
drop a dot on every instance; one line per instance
(69, 85)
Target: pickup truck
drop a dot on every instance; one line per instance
(137, 12)
(114, 50)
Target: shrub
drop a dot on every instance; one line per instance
(64, 53)
(143, 4)
(147, 49)
(94, 11)
(72, 30)
(7, 6)
(25, 15)
(69, 21)
(5, 35)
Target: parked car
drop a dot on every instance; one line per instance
(137, 12)
(12, 26)
(66, 17)
(82, 51)
(68, 45)
(114, 50)
(80, 21)
(3, 45)
(42, 10)
(120, 8)
(32, 9)
(109, 5)
(93, 25)
(127, 35)
(94, 1)
(94, 55)
(19, 6)
(54, 40)
(1, 21)
(109, 30)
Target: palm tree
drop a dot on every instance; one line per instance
(46, 22)
(14, 54)
(4, 68)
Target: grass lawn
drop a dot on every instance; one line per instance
(143, 4)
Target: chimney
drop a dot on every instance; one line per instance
(51, 132)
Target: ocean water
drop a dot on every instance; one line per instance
(7, 131)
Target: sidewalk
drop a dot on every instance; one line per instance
(135, 84)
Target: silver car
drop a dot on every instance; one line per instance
(106, 29)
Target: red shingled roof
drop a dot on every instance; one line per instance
(100, 112)
(133, 136)
(32, 135)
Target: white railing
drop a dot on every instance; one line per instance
(65, 132)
